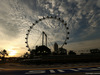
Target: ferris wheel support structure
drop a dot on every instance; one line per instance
(43, 33)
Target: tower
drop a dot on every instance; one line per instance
(44, 34)
(56, 47)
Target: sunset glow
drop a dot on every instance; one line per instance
(82, 18)
(12, 53)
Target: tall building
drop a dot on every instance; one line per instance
(56, 47)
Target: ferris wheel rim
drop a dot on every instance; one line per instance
(41, 19)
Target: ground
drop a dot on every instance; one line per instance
(54, 69)
(46, 66)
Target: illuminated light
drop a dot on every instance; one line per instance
(68, 32)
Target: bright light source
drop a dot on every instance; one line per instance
(12, 53)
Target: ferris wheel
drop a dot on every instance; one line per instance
(52, 28)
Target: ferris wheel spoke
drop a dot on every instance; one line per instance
(47, 21)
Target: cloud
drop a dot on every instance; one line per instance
(98, 3)
(84, 45)
(7, 27)
(52, 27)
(82, 17)
(13, 24)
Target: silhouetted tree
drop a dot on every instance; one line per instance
(94, 51)
(4, 53)
(71, 53)
(26, 55)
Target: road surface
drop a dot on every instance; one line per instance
(71, 71)
(58, 69)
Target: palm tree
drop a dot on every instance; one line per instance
(4, 53)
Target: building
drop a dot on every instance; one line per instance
(62, 51)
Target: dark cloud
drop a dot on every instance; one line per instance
(82, 17)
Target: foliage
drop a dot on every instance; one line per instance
(26, 55)
(4, 53)
(71, 53)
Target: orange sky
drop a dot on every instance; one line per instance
(82, 18)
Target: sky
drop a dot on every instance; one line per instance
(81, 16)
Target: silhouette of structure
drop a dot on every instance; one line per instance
(32, 53)
(43, 50)
(26, 55)
(71, 53)
(59, 51)
(62, 51)
(56, 48)
(44, 34)
(95, 51)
